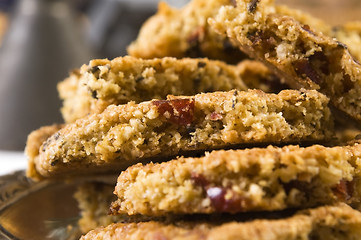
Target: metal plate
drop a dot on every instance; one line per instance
(40, 210)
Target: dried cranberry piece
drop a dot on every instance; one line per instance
(159, 236)
(343, 190)
(196, 36)
(199, 180)
(304, 68)
(217, 195)
(222, 204)
(215, 116)
(178, 111)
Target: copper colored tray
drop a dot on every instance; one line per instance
(39, 210)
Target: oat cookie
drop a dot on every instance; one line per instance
(350, 34)
(94, 199)
(34, 142)
(305, 18)
(125, 134)
(104, 82)
(184, 33)
(325, 223)
(300, 55)
(257, 179)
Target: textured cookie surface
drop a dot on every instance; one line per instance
(233, 181)
(184, 33)
(125, 134)
(93, 200)
(300, 55)
(325, 223)
(350, 34)
(34, 142)
(125, 79)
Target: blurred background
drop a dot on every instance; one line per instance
(42, 40)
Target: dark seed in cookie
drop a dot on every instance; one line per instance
(53, 163)
(342, 45)
(56, 136)
(201, 64)
(139, 79)
(254, 37)
(94, 69)
(94, 94)
(234, 99)
(307, 29)
(252, 6)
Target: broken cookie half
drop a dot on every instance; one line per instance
(297, 53)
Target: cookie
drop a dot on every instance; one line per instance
(350, 34)
(300, 55)
(257, 179)
(104, 82)
(93, 199)
(34, 142)
(184, 33)
(325, 223)
(305, 18)
(125, 134)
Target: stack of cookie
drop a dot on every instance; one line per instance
(232, 163)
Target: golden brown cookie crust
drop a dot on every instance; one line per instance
(104, 82)
(34, 142)
(350, 34)
(325, 223)
(125, 134)
(257, 179)
(184, 33)
(302, 56)
(93, 200)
